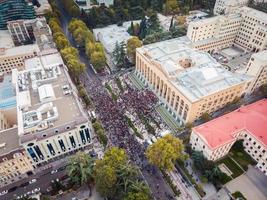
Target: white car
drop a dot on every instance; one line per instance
(3, 192)
(32, 181)
(54, 171)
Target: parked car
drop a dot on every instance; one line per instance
(32, 181)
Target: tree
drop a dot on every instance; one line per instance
(80, 168)
(119, 54)
(132, 44)
(98, 60)
(205, 117)
(165, 151)
(171, 7)
(263, 89)
(106, 171)
(143, 29)
(136, 196)
(106, 179)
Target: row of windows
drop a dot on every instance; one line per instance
(37, 155)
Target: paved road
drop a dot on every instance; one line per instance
(43, 182)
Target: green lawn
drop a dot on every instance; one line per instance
(235, 169)
(240, 156)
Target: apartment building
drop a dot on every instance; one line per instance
(29, 31)
(51, 121)
(245, 28)
(189, 82)
(222, 7)
(14, 57)
(216, 137)
(14, 161)
(257, 68)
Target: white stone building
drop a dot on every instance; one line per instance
(249, 123)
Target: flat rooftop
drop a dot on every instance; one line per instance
(5, 39)
(251, 118)
(13, 51)
(111, 34)
(45, 95)
(7, 93)
(9, 139)
(194, 73)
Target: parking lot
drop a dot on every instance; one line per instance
(233, 59)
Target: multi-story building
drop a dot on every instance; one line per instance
(245, 28)
(249, 123)
(227, 6)
(252, 35)
(14, 57)
(14, 10)
(187, 81)
(7, 103)
(257, 67)
(14, 161)
(29, 31)
(51, 121)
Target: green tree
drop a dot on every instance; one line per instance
(80, 168)
(119, 54)
(205, 117)
(165, 151)
(136, 196)
(132, 44)
(98, 60)
(106, 179)
(171, 7)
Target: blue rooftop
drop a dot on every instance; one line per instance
(7, 93)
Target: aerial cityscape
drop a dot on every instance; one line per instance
(133, 99)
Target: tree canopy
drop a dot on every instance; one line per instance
(165, 151)
(132, 44)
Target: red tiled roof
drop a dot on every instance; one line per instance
(252, 118)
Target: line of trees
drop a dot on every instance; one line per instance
(114, 176)
(100, 132)
(71, 7)
(84, 39)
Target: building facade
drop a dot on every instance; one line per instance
(227, 6)
(14, 161)
(187, 81)
(244, 27)
(51, 120)
(257, 68)
(14, 10)
(216, 137)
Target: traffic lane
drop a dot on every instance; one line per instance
(42, 182)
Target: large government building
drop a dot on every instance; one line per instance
(249, 124)
(188, 81)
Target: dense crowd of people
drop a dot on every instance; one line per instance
(111, 114)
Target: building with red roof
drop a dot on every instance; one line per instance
(248, 123)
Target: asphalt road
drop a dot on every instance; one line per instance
(43, 182)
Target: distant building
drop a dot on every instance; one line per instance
(29, 31)
(189, 82)
(249, 123)
(227, 6)
(88, 4)
(51, 120)
(245, 28)
(14, 10)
